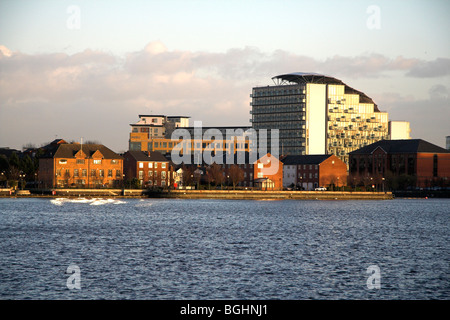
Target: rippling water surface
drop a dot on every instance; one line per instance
(224, 249)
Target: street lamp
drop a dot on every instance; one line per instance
(382, 179)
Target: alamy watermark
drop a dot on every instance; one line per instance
(374, 280)
(74, 20)
(74, 281)
(374, 20)
(191, 150)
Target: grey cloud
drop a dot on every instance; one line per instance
(439, 67)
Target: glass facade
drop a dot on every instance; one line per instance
(352, 119)
(283, 108)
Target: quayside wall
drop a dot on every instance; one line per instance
(205, 194)
(272, 195)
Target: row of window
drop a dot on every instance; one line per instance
(82, 161)
(83, 173)
(153, 165)
(271, 91)
(305, 166)
(279, 108)
(152, 174)
(277, 100)
(302, 176)
(146, 130)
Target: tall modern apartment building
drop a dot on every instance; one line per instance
(317, 114)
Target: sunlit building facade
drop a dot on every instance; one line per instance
(154, 133)
(317, 114)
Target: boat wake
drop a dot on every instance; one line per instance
(90, 201)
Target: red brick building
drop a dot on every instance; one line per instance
(307, 172)
(426, 163)
(75, 165)
(268, 173)
(151, 168)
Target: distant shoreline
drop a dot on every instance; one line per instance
(204, 194)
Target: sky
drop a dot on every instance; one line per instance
(87, 69)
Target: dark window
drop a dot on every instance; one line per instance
(353, 165)
(394, 164)
(401, 164)
(411, 165)
(362, 164)
(135, 146)
(435, 165)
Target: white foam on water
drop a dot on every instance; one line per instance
(92, 202)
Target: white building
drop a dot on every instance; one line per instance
(399, 130)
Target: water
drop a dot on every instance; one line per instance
(224, 249)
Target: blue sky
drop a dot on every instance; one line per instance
(201, 58)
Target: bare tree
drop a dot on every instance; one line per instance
(236, 175)
(216, 174)
(188, 175)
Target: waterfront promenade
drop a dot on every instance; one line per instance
(208, 194)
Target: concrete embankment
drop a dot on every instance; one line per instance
(205, 194)
(105, 193)
(272, 195)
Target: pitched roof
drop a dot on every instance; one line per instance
(305, 159)
(66, 150)
(401, 146)
(147, 156)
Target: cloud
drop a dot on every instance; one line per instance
(97, 88)
(439, 67)
(429, 117)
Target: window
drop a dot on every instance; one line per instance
(260, 175)
(109, 173)
(141, 165)
(75, 172)
(163, 183)
(118, 174)
(260, 165)
(84, 173)
(62, 161)
(114, 161)
(150, 174)
(93, 172)
(163, 165)
(134, 130)
(141, 174)
(156, 174)
(435, 165)
(163, 174)
(80, 161)
(156, 165)
(101, 173)
(150, 164)
(97, 161)
(135, 146)
(144, 130)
